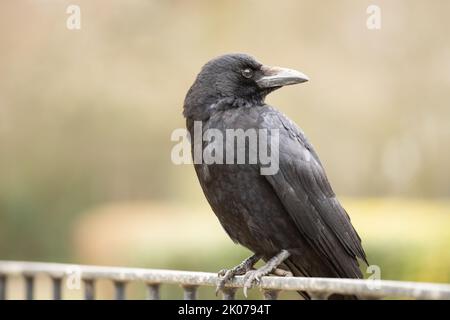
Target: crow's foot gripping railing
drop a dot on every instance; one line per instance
(318, 288)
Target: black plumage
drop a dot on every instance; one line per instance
(295, 209)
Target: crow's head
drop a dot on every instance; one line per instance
(236, 78)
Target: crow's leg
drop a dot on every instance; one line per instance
(253, 277)
(242, 268)
(282, 273)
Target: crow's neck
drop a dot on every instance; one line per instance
(202, 111)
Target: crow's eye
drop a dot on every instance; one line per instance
(247, 73)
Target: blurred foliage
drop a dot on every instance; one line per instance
(408, 239)
(86, 116)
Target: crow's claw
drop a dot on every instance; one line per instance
(252, 278)
(225, 276)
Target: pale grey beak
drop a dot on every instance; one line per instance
(278, 77)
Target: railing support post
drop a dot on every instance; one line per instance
(119, 287)
(319, 295)
(89, 289)
(29, 286)
(153, 291)
(229, 293)
(57, 289)
(270, 294)
(190, 292)
(3, 283)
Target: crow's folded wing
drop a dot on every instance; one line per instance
(303, 188)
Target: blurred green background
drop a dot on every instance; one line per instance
(86, 117)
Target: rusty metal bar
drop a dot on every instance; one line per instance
(153, 291)
(57, 289)
(3, 284)
(89, 289)
(367, 288)
(29, 286)
(119, 287)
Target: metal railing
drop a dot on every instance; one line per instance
(317, 288)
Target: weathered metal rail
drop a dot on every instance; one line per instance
(318, 288)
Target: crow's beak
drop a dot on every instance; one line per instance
(278, 77)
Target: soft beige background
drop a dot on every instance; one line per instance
(86, 117)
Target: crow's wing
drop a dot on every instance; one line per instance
(303, 188)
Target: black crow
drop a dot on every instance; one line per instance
(291, 219)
